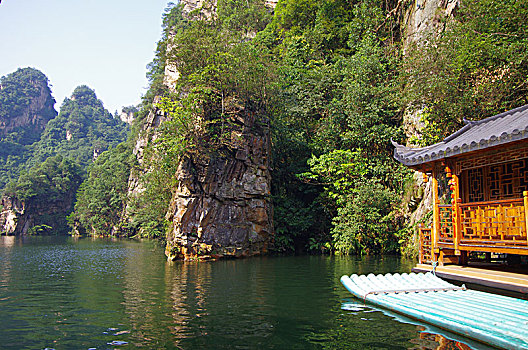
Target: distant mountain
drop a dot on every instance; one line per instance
(82, 130)
(26, 106)
(44, 156)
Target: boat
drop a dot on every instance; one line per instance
(488, 318)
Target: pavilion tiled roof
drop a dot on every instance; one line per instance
(475, 135)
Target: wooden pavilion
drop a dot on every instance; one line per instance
(480, 189)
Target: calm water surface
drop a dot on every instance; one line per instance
(66, 293)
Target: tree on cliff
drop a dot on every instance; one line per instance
(343, 88)
(19, 91)
(477, 67)
(331, 79)
(221, 75)
(48, 191)
(337, 112)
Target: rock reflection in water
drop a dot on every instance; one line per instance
(208, 299)
(7, 243)
(431, 341)
(187, 285)
(78, 294)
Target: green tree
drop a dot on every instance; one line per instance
(48, 191)
(337, 95)
(101, 197)
(475, 68)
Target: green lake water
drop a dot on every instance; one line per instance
(66, 293)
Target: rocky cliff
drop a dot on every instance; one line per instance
(35, 217)
(12, 210)
(26, 104)
(147, 135)
(222, 206)
(422, 19)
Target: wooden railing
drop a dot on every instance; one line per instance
(446, 232)
(496, 226)
(496, 223)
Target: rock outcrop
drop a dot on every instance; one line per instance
(21, 218)
(222, 206)
(12, 210)
(423, 19)
(426, 17)
(148, 134)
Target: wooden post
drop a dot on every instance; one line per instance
(457, 215)
(458, 225)
(421, 242)
(525, 195)
(436, 217)
(501, 229)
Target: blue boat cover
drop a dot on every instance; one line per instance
(489, 318)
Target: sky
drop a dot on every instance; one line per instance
(105, 44)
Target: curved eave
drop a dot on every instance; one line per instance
(420, 157)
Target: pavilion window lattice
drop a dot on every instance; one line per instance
(425, 255)
(496, 182)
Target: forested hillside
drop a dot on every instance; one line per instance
(82, 130)
(26, 105)
(332, 81)
(46, 164)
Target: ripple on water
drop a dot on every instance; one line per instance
(117, 342)
(66, 293)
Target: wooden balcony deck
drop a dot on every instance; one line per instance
(493, 278)
(499, 226)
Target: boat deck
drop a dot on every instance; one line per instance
(497, 320)
(489, 277)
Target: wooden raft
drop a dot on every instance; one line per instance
(488, 318)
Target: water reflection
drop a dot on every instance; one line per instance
(65, 293)
(429, 341)
(187, 284)
(428, 337)
(7, 243)
(217, 303)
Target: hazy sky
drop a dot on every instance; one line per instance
(105, 44)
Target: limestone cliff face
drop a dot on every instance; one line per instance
(127, 117)
(222, 206)
(147, 134)
(19, 217)
(12, 210)
(424, 18)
